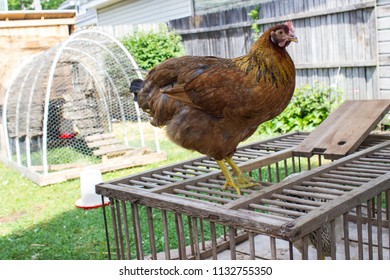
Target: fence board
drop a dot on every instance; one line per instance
(385, 72)
(384, 46)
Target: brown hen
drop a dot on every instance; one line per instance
(211, 104)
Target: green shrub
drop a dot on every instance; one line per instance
(310, 105)
(151, 48)
(255, 15)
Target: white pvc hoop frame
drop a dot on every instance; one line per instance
(6, 99)
(63, 47)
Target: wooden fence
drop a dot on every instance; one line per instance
(383, 19)
(338, 40)
(123, 30)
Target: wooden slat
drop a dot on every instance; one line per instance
(289, 205)
(345, 129)
(344, 177)
(112, 150)
(99, 137)
(305, 202)
(166, 235)
(37, 23)
(29, 14)
(276, 210)
(212, 192)
(333, 188)
(101, 143)
(201, 196)
(320, 188)
(152, 238)
(166, 177)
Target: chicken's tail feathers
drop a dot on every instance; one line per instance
(135, 87)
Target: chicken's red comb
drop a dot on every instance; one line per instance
(290, 26)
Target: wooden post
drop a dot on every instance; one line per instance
(291, 250)
(152, 239)
(166, 235)
(379, 227)
(137, 231)
(232, 241)
(333, 248)
(359, 231)
(369, 229)
(213, 240)
(191, 235)
(119, 223)
(126, 228)
(114, 227)
(319, 245)
(305, 247)
(202, 234)
(196, 238)
(272, 241)
(106, 228)
(346, 236)
(181, 238)
(252, 248)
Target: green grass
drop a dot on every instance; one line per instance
(43, 223)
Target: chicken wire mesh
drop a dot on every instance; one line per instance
(75, 91)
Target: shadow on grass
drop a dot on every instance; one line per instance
(73, 235)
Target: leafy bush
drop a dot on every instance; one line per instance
(255, 15)
(309, 106)
(151, 48)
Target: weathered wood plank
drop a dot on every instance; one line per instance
(112, 150)
(345, 129)
(37, 23)
(99, 137)
(107, 142)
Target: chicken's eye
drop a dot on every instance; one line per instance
(279, 32)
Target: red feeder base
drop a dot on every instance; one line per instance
(79, 204)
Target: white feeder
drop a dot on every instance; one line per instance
(89, 178)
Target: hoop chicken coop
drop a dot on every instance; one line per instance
(308, 205)
(70, 107)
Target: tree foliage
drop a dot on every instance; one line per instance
(28, 4)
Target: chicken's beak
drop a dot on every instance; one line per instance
(293, 38)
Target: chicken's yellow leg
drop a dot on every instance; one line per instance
(228, 176)
(242, 180)
(234, 166)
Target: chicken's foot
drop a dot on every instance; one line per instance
(241, 181)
